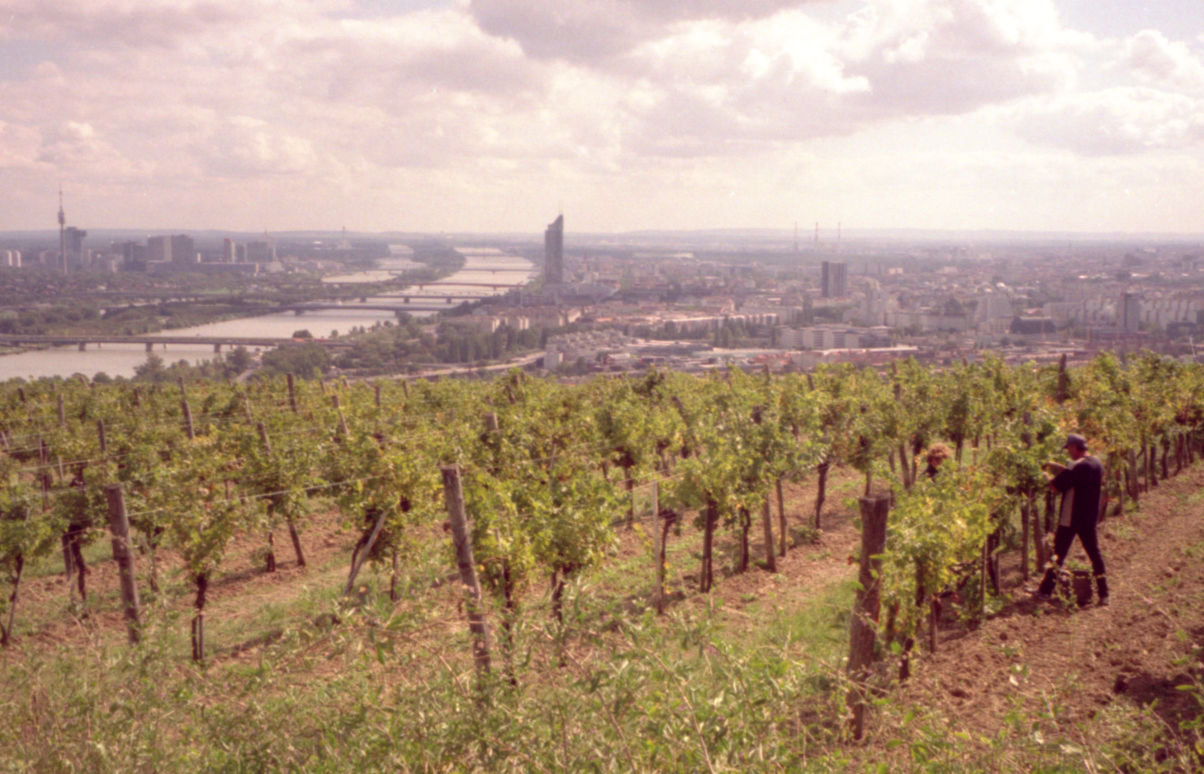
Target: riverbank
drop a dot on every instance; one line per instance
(485, 274)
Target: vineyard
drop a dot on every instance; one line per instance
(633, 573)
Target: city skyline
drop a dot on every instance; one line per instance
(485, 115)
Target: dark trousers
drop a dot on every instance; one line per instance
(1062, 540)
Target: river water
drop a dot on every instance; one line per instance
(480, 266)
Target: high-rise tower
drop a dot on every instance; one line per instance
(1128, 317)
(62, 233)
(834, 279)
(553, 252)
(183, 249)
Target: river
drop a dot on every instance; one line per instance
(480, 266)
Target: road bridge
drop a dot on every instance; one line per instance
(403, 304)
(453, 283)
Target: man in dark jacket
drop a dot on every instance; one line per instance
(1079, 484)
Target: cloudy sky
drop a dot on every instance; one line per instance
(488, 115)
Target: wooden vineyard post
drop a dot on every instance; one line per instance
(376, 390)
(188, 428)
(658, 550)
(100, 435)
(1038, 538)
(343, 430)
(706, 575)
(119, 529)
(1024, 538)
(864, 623)
(767, 522)
(983, 561)
(292, 393)
(492, 432)
(781, 519)
(44, 475)
(453, 494)
(198, 617)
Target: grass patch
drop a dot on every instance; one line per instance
(95, 552)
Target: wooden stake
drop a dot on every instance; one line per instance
(263, 436)
(292, 394)
(187, 419)
(119, 529)
(1024, 552)
(781, 519)
(343, 430)
(767, 522)
(658, 550)
(864, 623)
(453, 494)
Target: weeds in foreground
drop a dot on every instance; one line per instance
(700, 690)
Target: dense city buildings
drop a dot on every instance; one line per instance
(261, 251)
(706, 298)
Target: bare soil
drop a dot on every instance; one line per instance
(1031, 655)
(1059, 659)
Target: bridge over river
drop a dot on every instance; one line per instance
(17, 340)
(415, 303)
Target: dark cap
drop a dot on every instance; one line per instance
(1077, 441)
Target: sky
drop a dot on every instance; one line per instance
(495, 115)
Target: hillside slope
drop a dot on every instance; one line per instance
(1114, 686)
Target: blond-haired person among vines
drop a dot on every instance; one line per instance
(937, 453)
(1079, 482)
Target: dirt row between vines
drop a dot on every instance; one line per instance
(1035, 658)
(242, 586)
(1059, 660)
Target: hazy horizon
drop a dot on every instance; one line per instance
(489, 116)
(828, 238)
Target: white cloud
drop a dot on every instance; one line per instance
(148, 23)
(522, 103)
(950, 56)
(597, 30)
(1124, 120)
(722, 86)
(1158, 61)
(248, 147)
(19, 146)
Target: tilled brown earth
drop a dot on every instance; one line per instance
(1064, 664)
